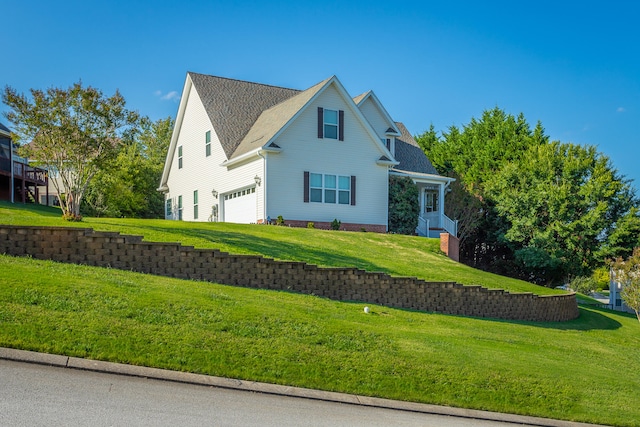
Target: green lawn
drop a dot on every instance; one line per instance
(394, 254)
(585, 370)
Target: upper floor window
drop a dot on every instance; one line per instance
(180, 157)
(207, 143)
(330, 124)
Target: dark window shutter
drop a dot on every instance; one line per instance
(306, 187)
(353, 190)
(320, 122)
(341, 125)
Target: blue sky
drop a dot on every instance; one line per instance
(574, 66)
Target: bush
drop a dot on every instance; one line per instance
(583, 284)
(280, 220)
(335, 224)
(311, 225)
(404, 205)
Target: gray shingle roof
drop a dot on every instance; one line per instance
(410, 155)
(4, 128)
(233, 106)
(273, 119)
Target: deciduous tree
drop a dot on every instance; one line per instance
(74, 132)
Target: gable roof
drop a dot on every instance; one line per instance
(233, 106)
(410, 155)
(360, 99)
(271, 121)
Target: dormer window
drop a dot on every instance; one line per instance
(330, 124)
(386, 142)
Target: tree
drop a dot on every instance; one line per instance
(74, 131)
(404, 205)
(627, 273)
(127, 187)
(533, 209)
(561, 202)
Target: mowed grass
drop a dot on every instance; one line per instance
(394, 254)
(585, 370)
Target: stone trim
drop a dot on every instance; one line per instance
(111, 249)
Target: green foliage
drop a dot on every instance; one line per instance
(280, 220)
(559, 200)
(335, 224)
(75, 132)
(627, 272)
(311, 225)
(127, 186)
(624, 237)
(601, 278)
(530, 208)
(583, 284)
(404, 205)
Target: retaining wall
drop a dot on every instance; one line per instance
(107, 249)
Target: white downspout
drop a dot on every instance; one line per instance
(264, 188)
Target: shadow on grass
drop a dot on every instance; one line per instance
(271, 248)
(591, 318)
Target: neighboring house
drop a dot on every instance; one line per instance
(20, 182)
(615, 299)
(247, 153)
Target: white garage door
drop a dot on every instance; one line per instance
(240, 206)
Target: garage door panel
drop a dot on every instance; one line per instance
(240, 208)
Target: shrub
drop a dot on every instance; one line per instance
(404, 205)
(335, 224)
(280, 220)
(311, 225)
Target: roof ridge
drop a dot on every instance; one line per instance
(245, 81)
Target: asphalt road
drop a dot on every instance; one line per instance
(39, 395)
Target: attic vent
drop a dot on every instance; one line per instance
(274, 145)
(384, 159)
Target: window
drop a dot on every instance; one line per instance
(180, 157)
(325, 188)
(330, 124)
(207, 143)
(168, 209)
(195, 204)
(180, 208)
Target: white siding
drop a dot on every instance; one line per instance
(304, 151)
(203, 173)
(379, 123)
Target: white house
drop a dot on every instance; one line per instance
(248, 152)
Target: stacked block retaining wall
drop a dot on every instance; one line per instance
(108, 249)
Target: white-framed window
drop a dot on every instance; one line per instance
(180, 208)
(180, 157)
(195, 204)
(331, 124)
(207, 143)
(327, 188)
(168, 212)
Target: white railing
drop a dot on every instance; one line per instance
(423, 227)
(449, 225)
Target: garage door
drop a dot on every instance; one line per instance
(240, 206)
